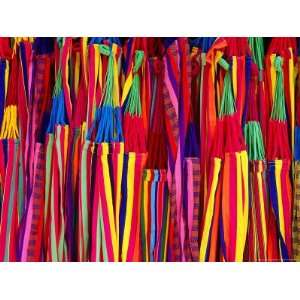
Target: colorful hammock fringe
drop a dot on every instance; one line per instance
(149, 149)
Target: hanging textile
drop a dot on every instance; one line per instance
(12, 206)
(234, 202)
(296, 206)
(209, 106)
(56, 156)
(279, 160)
(109, 164)
(134, 161)
(149, 149)
(155, 201)
(257, 231)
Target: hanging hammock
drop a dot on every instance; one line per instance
(109, 165)
(279, 160)
(257, 231)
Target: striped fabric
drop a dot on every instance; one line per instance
(235, 205)
(171, 103)
(38, 107)
(84, 203)
(105, 207)
(258, 210)
(211, 214)
(296, 211)
(191, 208)
(279, 161)
(149, 149)
(281, 200)
(71, 191)
(131, 206)
(32, 240)
(154, 214)
(56, 215)
(9, 212)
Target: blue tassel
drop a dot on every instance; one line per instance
(58, 112)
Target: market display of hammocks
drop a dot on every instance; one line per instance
(149, 149)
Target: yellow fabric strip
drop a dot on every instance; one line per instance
(118, 188)
(129, 204)
(100, 69)
(244, 163)
(234, 76)
(278, 167)
(85, 59)
(127, 86)
(292, 96)
(116, 96)
(273, 75)
(109, 203)
(66, 142)
(210, 210)
(262, 208)
(240, 222)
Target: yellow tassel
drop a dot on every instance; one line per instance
(9, 128)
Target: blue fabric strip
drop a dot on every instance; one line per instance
(123, 200)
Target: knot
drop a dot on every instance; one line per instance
(224, 64)
(158, 66)
(60, 42)
(105, 49)
(138, 60)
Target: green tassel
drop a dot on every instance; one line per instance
(227, 102)
(254, 141)
(278, 109)
(257, 49)
(133, 105)
(109, 77)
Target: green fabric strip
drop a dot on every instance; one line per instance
(48, 174)
(83, 196)
(54, 254)
(61, 187)
(11, 202)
